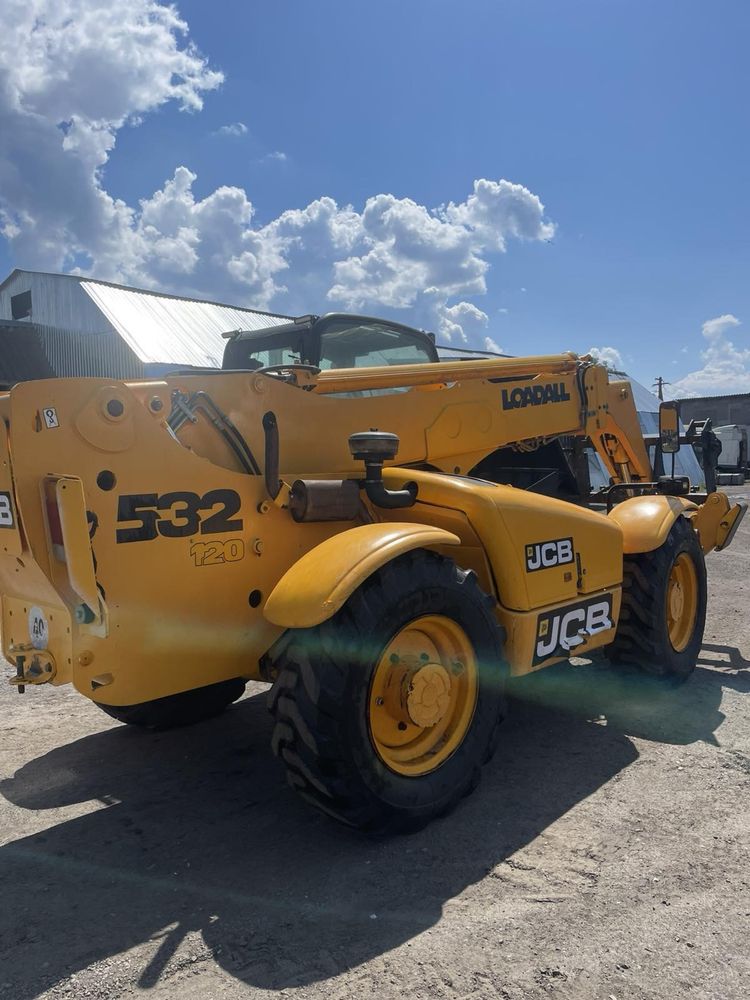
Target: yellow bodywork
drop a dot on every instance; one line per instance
(646, 521)
(71, 506)
(316, 586)
(147, 561)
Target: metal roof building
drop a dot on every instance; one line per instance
(67, 325)
(733, 408)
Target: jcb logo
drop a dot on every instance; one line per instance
(559, 632)
(542, 555)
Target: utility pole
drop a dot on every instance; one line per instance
(659, 386)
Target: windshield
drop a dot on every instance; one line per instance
(268, 348)
(369, 343)
(331, 342)
(282, 355)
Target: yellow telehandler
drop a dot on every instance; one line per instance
(315, 526)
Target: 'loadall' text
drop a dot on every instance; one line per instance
(535, 395)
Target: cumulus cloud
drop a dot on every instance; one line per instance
(72, 73)
(608, 356)
(75, 72)
(497, 210)
(235, 129)
(726, 367)
(462, 321)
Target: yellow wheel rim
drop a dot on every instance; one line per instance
(423, 695)
(682, 602)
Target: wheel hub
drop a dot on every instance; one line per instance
(422, 695)
(429, 695)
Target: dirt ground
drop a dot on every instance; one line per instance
(604, 855)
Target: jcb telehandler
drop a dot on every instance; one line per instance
(162, 542)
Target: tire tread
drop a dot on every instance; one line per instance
(640, 637)
(309, 710)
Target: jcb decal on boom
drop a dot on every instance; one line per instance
(535, 395)
(559, 632)
(186, 514)
(543, 555)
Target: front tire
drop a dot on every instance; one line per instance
(385, 713)
(663, 612)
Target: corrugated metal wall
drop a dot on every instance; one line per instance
(721, 409)
(31, 351)
(87, 327)
(56, 301)
(66, 335)
(127, 327)
(103, 355)
(22, 355)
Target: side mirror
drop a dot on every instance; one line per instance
(669, 427)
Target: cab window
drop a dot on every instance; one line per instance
(273, 349)
(368, 344)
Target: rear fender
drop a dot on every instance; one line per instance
(646, 521)
(319, 583)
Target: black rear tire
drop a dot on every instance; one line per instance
(181, 709)
(643, 634)
(320, 698)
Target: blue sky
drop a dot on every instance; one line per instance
(626, 120)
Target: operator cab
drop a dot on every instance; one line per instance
(337, 340)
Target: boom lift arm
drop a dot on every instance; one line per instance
(591, 405)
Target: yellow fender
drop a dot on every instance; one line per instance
(646, 521)
(319, 583)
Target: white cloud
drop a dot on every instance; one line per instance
(726, 367)
(496, 210)
(72, 73)
(235, 129)
(608, 356)
(462, 321)
(277, 156)
(714, 329)
(406, 247)
(492, 345)
(77, 71)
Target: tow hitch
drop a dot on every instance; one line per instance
(33, 666)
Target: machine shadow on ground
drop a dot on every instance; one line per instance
(195, 830)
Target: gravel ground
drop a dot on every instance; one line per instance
(603, 856)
